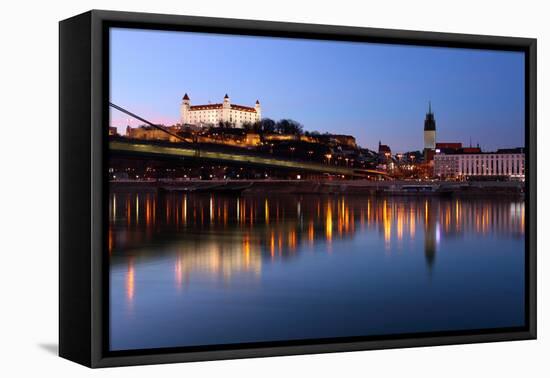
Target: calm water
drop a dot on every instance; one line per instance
(199, 269)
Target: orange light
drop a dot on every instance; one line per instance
(130, 281)
(328, 222)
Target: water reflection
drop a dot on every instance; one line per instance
(279, 227)
(174, 247)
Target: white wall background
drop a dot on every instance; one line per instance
(29, 174)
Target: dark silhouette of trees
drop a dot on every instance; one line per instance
(289, 126)
(250, 127)
(225, 125)
(267, 126)
(313, 133)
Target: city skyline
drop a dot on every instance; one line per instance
(371, 91)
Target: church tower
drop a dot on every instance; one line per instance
(184, 109)
(429, 130)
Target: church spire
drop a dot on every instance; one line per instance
(429, 122)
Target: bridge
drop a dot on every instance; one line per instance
(185, 149)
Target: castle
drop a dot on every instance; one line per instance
(213, 114)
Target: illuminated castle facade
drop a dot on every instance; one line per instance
(213, 114)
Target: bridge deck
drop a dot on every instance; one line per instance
(180, 151)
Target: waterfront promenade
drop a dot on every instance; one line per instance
(326, 187)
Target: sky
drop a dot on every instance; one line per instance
(375, 92)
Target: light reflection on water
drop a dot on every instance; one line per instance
(195, 269)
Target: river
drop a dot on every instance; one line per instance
(204, 269)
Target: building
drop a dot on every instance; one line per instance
(471, 150)
(151, 133)
(444, 146)
(384, 156)
(214, 114)
(429, 136)
(336, 139)
(384, 150)
(346, 141)
(508, 163)
(113, 131)
(230, 137)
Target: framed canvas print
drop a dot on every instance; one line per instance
(234, 188)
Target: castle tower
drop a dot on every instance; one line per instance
(258, 111)
(226, 109)
(429, 130)
(184, 109)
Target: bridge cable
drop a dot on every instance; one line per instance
(121, 109)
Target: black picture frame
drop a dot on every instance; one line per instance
(83, 113)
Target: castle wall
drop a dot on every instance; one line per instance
(213, 114)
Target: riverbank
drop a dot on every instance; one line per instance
(344, 187)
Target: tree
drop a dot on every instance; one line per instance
(267, 126)
(313, 133)
(289, 126)
(249, 127)
(225, 125)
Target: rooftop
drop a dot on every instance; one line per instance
(220, 106)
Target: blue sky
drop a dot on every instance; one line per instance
(372, 91)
